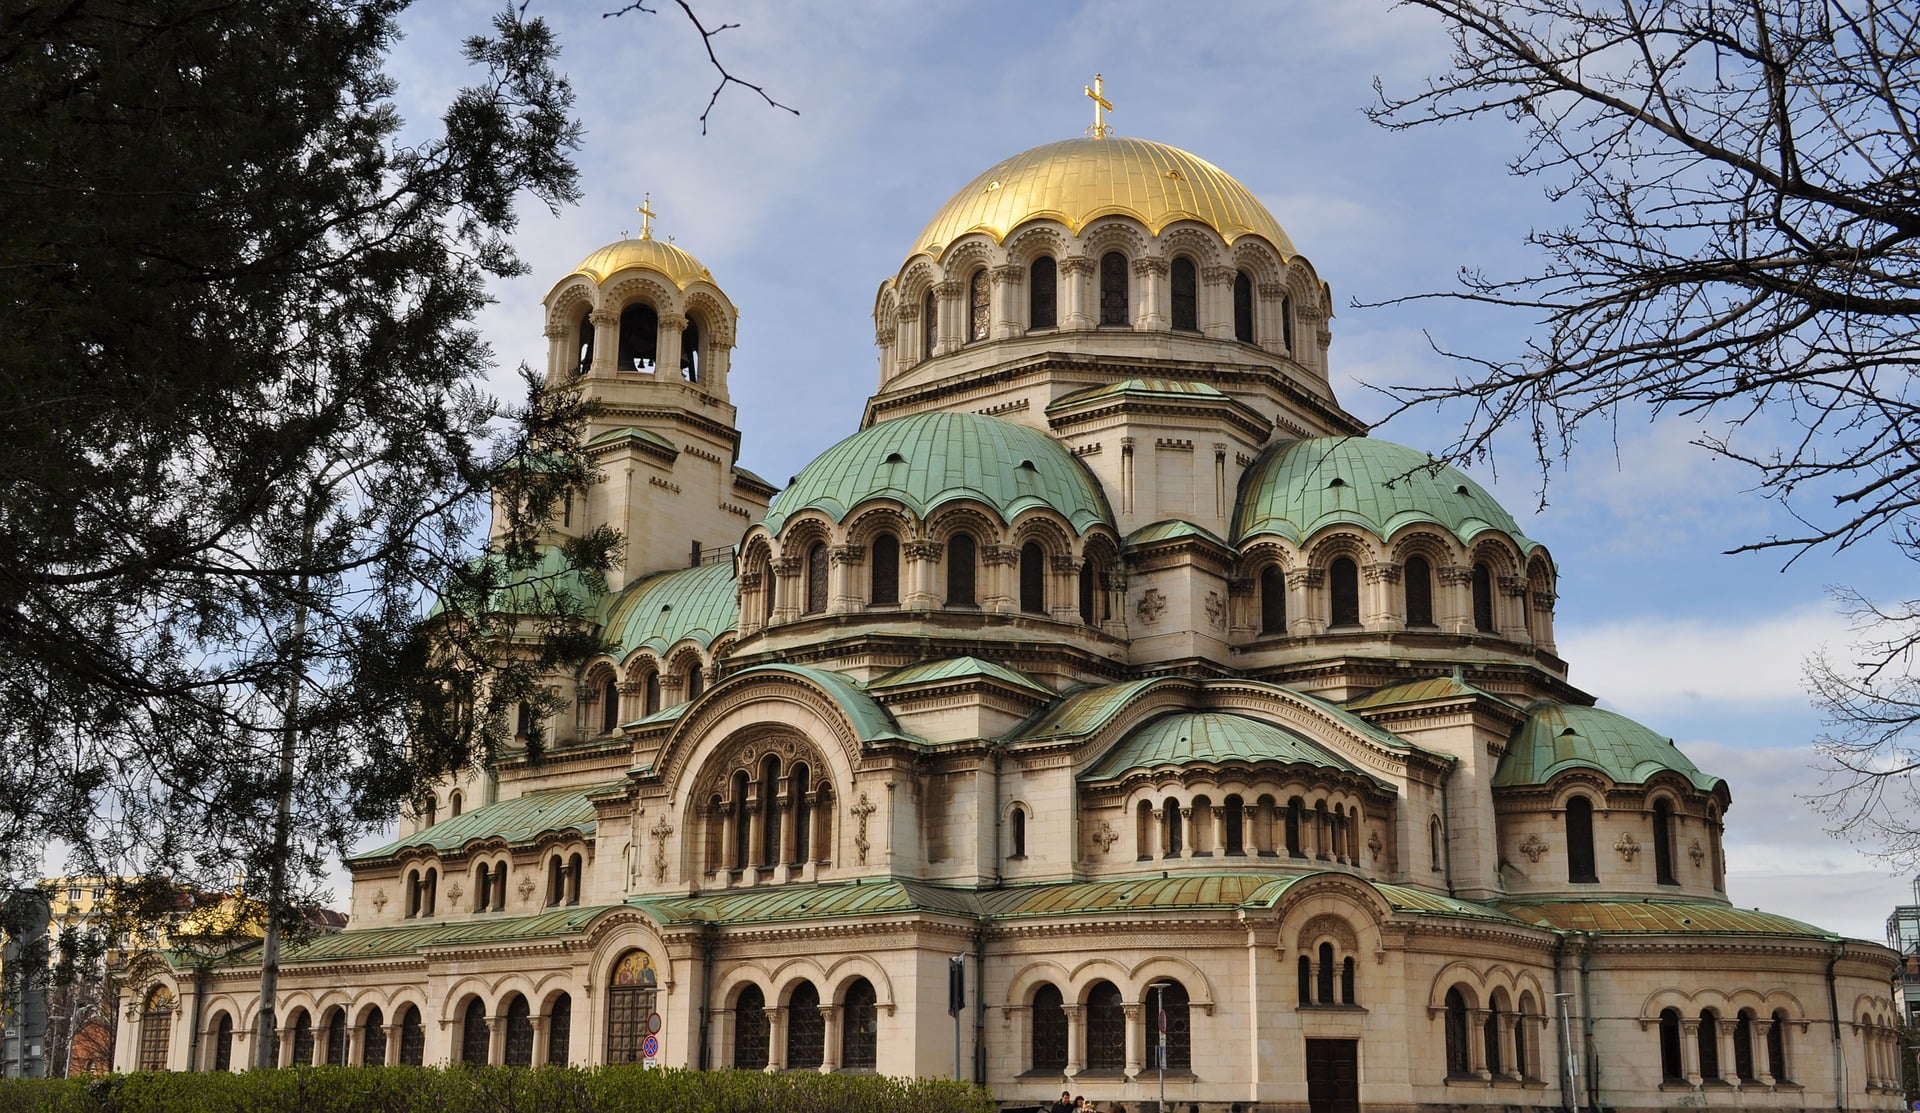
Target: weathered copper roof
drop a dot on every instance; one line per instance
(664, 609)
(518, 821)
(957, 668)
(1560, 736)
(418, 935)
(1657, 917)
(1211, 738)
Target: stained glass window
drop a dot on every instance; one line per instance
(979, 306)
(1671, 1069)
(1323, 985)
(337, 1038)
(630, 1000)
(1186, 301)
(560, 1030)
(1113, 289)
(1243, 308)
(1709, 1040)
(1579, 821)
(860, 1027)
(1459, 1060)
(1086, 591)
(742, 826)
(1042, 293)
(156, 1028)
(1482, 599)
(929, 323)
(817, 578)
(473, 1033)
(223, 1044)
(303, 1039)
(373, 1039)
(413, 1038)
(770, 810)
(1049, 1030)
(519, 1050)
(1491, 1029)
(1273, 600)
(806, 1029)
(1106, 1028)
(609, 706)
(1235, 822)
(750, 1030)
(1777, 1046)
(1179, 1021)
(802, 778)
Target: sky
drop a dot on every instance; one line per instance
(901, 102)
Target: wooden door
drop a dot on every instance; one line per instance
(1333, 1076)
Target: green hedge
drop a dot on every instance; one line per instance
(491, 1090)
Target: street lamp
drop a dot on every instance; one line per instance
(1160, 1016)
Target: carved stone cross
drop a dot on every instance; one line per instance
(660, 832)
(861, 811)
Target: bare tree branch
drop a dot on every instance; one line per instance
(706, 40)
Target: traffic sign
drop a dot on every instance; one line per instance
(653, 1024)
(650, 1046)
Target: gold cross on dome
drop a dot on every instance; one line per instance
(1096, 93)
(646, 216)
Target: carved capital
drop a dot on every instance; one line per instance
(1076, 264)
(1513, 585)
(951, 288)
(1298, 578)
(1544, 600)
(1149, 265)
(1218, 276)
(1310, 312)
(907, 313)
(1453, 574)
(922, 550)
(1273, 290)
(554, 331)
(1063, 563)
(788, 565)
(1382, 573)
(883, 337)
(1240, 586)
(847, 554)
(673, 322)
(604, 319)
(1008, 274)
(999, 554)
(749, 581)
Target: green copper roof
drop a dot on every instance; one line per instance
(661, 610)
(1560, 736)
(928, 460)
(1662, 917)
(1298, 488)
(519, 821)
(406, 939)
(870, 721)
(1421, 691)
(1139, 388)
(806, 902)
(1209, 738)
(1085, 710)
(1129, 895)
(1405, 898)
(957, 668)
(1171, 530)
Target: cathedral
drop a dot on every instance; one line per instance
(1110, 713)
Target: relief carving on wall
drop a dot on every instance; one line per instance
(1697, 852)
(660, 832)
(1627, 847)
(1152, 605)
(861, 811)
(1106, 836)
(1216, 610)
(379, 900)
(1533, 848)
(526, 888)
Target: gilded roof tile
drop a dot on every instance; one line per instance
(649, 254)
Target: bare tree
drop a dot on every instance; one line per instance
(1745, 254)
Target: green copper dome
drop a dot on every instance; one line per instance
(1298, 488)
(928, 460)
(658, 611)
(1210, 738)
(1560, 736)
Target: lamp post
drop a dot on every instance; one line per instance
(1160, 1019)
(1573, 1056)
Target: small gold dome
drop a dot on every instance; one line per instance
(1076, 180)
(655, 255)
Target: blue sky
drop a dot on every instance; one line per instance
(799, 218)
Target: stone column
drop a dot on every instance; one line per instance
(729, 839)
(356, 1038)
(1075, 273)
(1511, 619)
(1543, 602)
(1063, 588)
(606, 344)
(559, 367)
(1380, 603)
(393, 1045)
(756, 833)
(846, 587)
(1729, 1066)
(790, 594)
(1076, 1037)
(923, 589)
(1268, 310)
(1306, 614)
(1690, 1050)
(1762, 1063)
(540, 1037)
(1008, 281)
(666, 348)
(999, 575)
(950, 296)
(830, 1054)
(497, 1039)
(1136, 1015)
(1476, 1041)
(1216, 302)
(1151, 274)
(1453, 598)
(776, 1039)
(719, 360)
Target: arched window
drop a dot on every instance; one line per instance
(223, 1043)
(631, 996)
(453, 804)
(1459, 1058)
(1743, 1047)
(742, 824)
(979, 307)
(884, 588)
(1490, 1030)
(1243, 308)
(473, 1034)
(1043, 306)
(1033, 579)
(413, 1038)
(1436, 843)
(1113, 289)
(1663, 842)
(802, 778)
(156, 1029)
(1580, 866)
(1106, 1028)
(690, 352)
(584, 330)
(1049, 1039)
(860, 1027)
(650, 693)
(1523, 1064)
(1347, 978)
(806, 1029)
(1671, 1067)
(1235, 820)
(696, 680)
(609, 706)
(1303, 971)
(1087, 577)
(770, 810)
(1171, 997)
(771, 589)
(1273, 600)
(1296, 813)
(1143, 831)
(430, 810)
(373, 1039)
(1286, 325)
(1709, 1041)
(1343, 582)
(575, 864)
(1170, 821)
(750, 1029)
(560, 1031)
(1323, 984)
(1777, 1047)
(929, 324)
(817, 578)
(1017, 822)
(1483, 599)
(519, 1049)
(639, 337)
(1417, 578)
(960, 571)
(522, 727)
(1186, 301)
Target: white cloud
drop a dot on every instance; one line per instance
(1652, 664)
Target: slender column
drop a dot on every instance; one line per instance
(1008, 282)
(846, 587)
(789, 821)
(1075, 273)
(1305, 617)
(776, 1039)
(729, 838)
(667, 347)
(756, 837)
(1729, 1069)
(497, 1039)
(393, 1045)
(1216, 302)
(830, 1055)
(606, 344)
(1509, 1047)
(286, 1047)
(713, 376)
(1762, 1065)
(1136, 1038)
(1151, 274)
(1076, 1037)
(559, 367)
(1063, 588)
(950, 297)
(1454, 599)
(356, 1035)
(923, 574)
(1690, 1050)
(1475, 1039)
(540, 1037)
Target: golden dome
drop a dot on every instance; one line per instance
(655, 255)
(1076, 180)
